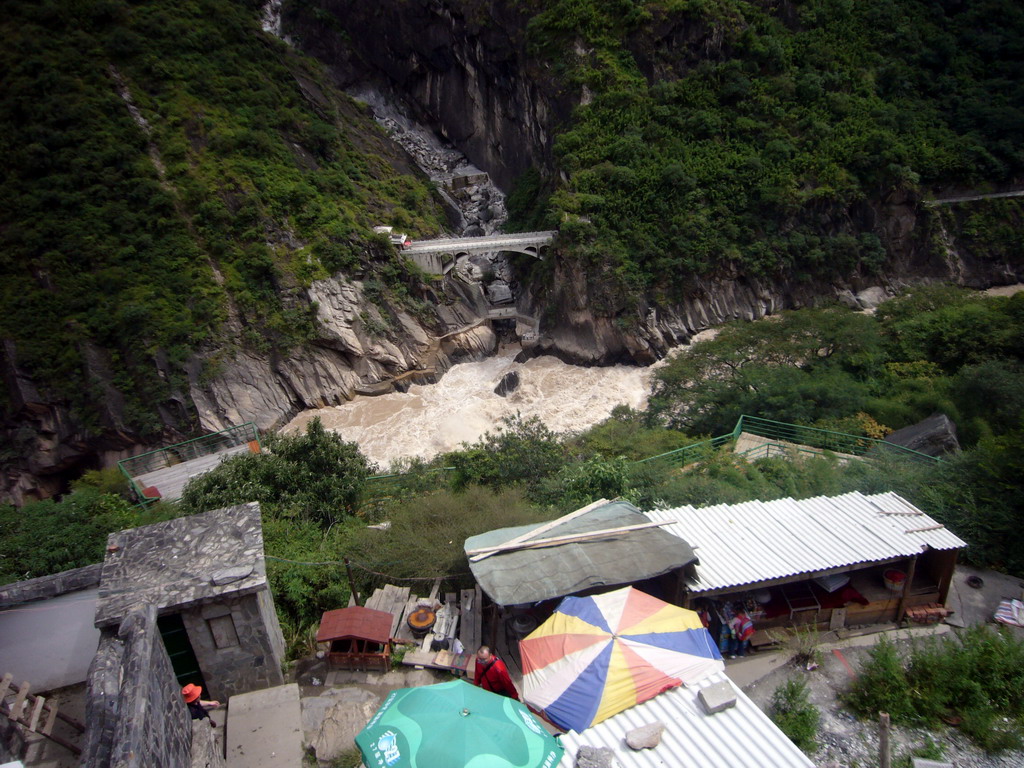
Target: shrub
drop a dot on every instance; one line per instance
(794, 714)
(976, 677)
(882, 685)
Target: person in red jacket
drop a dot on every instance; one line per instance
(492, 674)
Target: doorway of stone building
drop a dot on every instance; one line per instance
(179, 648)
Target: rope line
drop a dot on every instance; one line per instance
(362, 567)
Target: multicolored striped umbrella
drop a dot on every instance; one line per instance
(599, 655)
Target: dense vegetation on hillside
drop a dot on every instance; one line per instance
(935, 350)
(124, 248)
(766, 138)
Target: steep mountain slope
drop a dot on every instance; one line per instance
(178, 189)
(713, 159)
(187, 202)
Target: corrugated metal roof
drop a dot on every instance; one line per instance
(757, 541)
(739, 737)
(532, 575)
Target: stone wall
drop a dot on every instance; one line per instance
(238, 647)
(50, 586)
(135, 715)
(206, 751)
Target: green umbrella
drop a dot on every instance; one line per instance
(455, 725)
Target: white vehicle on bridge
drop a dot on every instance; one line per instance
(401, 240)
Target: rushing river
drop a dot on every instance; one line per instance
(431, 419)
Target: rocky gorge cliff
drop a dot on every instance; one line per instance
(466, 70)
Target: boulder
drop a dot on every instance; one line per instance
(646, 736)
(499, 292)
(330, 722)
(934, 436)
(509, 383)
(595, 757)
(870, 298)
(717, 698)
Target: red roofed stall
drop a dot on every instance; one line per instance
(360, 638)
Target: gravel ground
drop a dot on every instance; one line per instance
(845, 741)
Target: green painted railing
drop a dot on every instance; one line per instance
(690, 453)
(135, 466)
(800, 438)
(837, 442)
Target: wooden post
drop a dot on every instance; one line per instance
(351, 581)
(908, 583)
(884, 756)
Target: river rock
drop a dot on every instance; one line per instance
(596, 757)
(934, 436)
(646, 736)
(509, 383)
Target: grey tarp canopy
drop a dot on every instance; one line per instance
(531, 575)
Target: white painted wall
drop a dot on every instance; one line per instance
(49, 643)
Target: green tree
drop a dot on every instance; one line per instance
(799, 367)
(519, 451)
(312, 476)
(45, 537)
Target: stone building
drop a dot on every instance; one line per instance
(206, 577)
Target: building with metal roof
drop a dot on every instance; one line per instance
(799, 551)
(583, 552)
(739, 737)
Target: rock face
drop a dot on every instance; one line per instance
(934, 436)
(363, 347)
(463, 68)
(331, 721)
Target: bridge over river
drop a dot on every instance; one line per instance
(437, 257)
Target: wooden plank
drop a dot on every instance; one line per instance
(543, 529)
(374, 601)
(17, 710)
(404, 634)
(926, 528)
(50, 720)
(568, 539)
(37, 710)
(435, 589)
(399, 597)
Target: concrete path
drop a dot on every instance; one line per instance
(265, 729)
(976, 605)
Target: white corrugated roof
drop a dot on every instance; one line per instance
(757, 541)
(739, 737)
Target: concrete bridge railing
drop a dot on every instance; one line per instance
(437, 257)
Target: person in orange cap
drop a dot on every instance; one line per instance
(196, 706)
